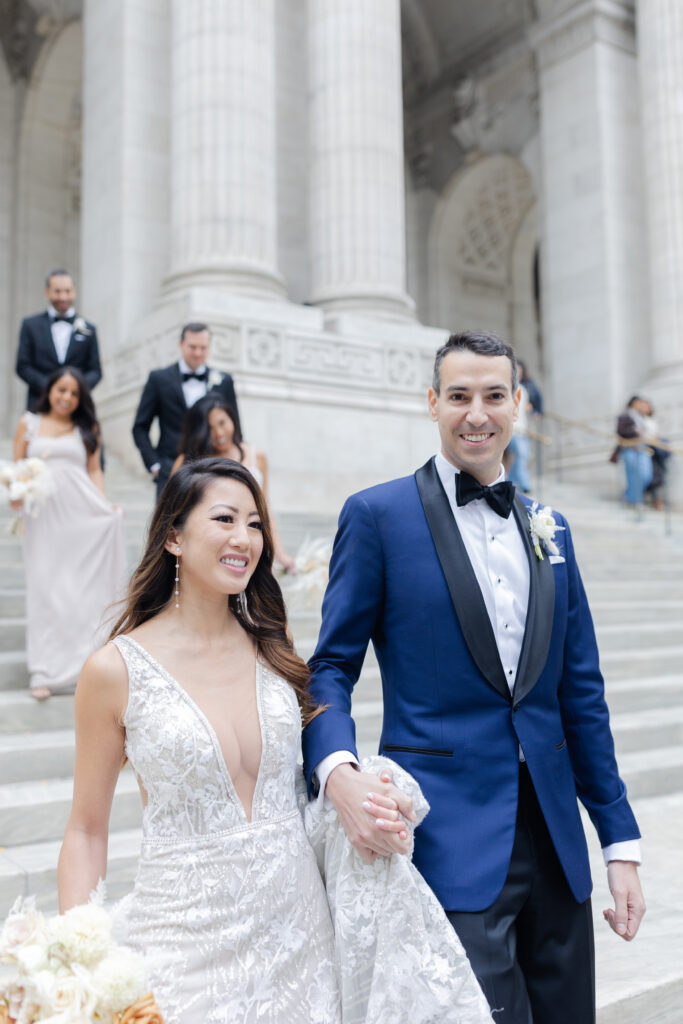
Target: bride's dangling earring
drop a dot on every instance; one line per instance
(177, 578)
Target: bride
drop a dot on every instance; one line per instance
(201, 690)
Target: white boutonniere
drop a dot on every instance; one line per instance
(215, 379)
(81, 327)
(543, 528)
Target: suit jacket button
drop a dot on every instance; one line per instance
(515, 707)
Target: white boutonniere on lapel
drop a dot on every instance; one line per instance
(215, 379)
(543, 528)
(81, 327)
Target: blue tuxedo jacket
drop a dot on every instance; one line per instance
(400, 577)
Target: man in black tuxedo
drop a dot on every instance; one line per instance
(57, 337)
(170, 392)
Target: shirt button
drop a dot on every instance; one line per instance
(509, 671)
(498, 580)
(492, 537)
(506, 625)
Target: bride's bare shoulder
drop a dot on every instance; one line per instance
(104, 670)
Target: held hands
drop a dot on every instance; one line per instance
(371, 810)
(629, 905)
(17, 505)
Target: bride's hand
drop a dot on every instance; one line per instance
(17, 505)
(371, 811)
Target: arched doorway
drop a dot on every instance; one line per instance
(482, 253)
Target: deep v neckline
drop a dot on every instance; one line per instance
(212, 734)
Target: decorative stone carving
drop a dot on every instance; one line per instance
(502, 193)
(327, 359)
(403, 368)
(18, 38)
(226, 344)
(264, 349)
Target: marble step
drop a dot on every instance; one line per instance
(19, 712)
(31, 812)
(642, 661)
(12, 602)
(622, 636)
(632, 611)
(46, 754)
(49, 753)
(31, 869)
(606, 591)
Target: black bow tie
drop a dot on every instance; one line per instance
(203, 376)
(499, 496)
(63, 319)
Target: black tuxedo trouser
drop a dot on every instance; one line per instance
(532, 950)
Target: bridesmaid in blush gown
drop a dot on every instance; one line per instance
(74, 548)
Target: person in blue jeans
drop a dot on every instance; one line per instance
(637, 458)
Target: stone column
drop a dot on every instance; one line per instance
(223, 155)
(594, 300)
(357, 198)
(660, 61)
(124, 202)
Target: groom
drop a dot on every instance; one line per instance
(493, 701)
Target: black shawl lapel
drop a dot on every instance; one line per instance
(540, 611)
(177, 379)
(460, 578)
(47, 335)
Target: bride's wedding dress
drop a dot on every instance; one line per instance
(231, 914)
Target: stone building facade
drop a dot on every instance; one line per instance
(333, 185)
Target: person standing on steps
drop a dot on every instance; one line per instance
(170, 392)
(57, 337)
(493, 700)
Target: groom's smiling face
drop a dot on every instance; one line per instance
(475, 410)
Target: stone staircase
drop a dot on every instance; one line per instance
(634, 578)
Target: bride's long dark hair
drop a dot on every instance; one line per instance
(152, 583)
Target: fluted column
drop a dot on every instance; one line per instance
(660, 62)
(357, 199)
(223, 170)
(594, 234)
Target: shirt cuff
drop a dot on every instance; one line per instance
(325, 768)
(629, 849)
(155, 467)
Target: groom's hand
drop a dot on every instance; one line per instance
(370, 809)
(629, 905)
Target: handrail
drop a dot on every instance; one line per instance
(614, 439)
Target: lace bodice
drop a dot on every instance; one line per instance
(229, 914)
(176, 755)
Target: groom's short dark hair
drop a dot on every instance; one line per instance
(195, 327)
(482, 343)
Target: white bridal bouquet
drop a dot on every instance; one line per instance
(306, 589)
(68, 969)
(27, 480)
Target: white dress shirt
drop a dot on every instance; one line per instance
(496, 550)
(192, 389)
(61, 331)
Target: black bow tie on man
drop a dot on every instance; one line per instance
(499, 496)
(203, 376)
(66, 319)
